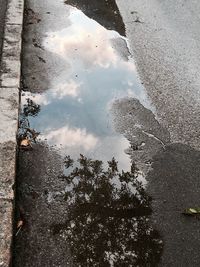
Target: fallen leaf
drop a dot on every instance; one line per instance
(20, 223)
(25, 143)
(192, 211)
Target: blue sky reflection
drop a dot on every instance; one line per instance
(75, 109)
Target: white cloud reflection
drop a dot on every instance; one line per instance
(39, 99)
(113, 146)
(87, 47)
(89, 41)
(74, 141)
(58, 91)
(71, 138)
(70, 88)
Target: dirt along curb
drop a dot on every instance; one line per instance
(9, 107)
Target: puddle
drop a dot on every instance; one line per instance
(74, 111)
(104, 12)
(90, 69)
(107, 222)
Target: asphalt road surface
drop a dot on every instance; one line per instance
(85, 97)
(165, 40)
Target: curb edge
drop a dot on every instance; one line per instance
(9, 110)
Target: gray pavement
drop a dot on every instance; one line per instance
(3, 4)
(165, 44)
(161, 126)
(74, 69)
(164, 39)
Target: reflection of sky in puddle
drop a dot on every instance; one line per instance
(75, 110)
(106, 223)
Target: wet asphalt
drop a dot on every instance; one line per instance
(168, 63)
(88, 99)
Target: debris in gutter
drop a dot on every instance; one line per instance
(192, 211)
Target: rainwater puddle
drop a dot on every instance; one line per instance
(107, 222)
(74, 111)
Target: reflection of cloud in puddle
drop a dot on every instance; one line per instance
(71, 137)
(74, 141)
(89, 41)
(82, 96)
(70, 88)
(37, 98)
(113, 146)
(59, 91)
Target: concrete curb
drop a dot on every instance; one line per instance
(9, 109)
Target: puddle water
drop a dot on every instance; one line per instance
(104, 12)
(107, 222)
(75, 109)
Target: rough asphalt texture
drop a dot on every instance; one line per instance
(38, 169)
(166, 50)
(164, 38)
(39, 210)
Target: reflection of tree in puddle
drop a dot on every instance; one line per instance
(31, 108)
(108, 221)
(25, 132)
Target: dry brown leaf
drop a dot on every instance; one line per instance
(25, 143)
(20, 223)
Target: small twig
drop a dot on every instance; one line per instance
(18, 230)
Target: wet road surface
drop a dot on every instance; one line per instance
(95, 213)
(104, 12)
(164, 37)
(74, 109)
(81, 92)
